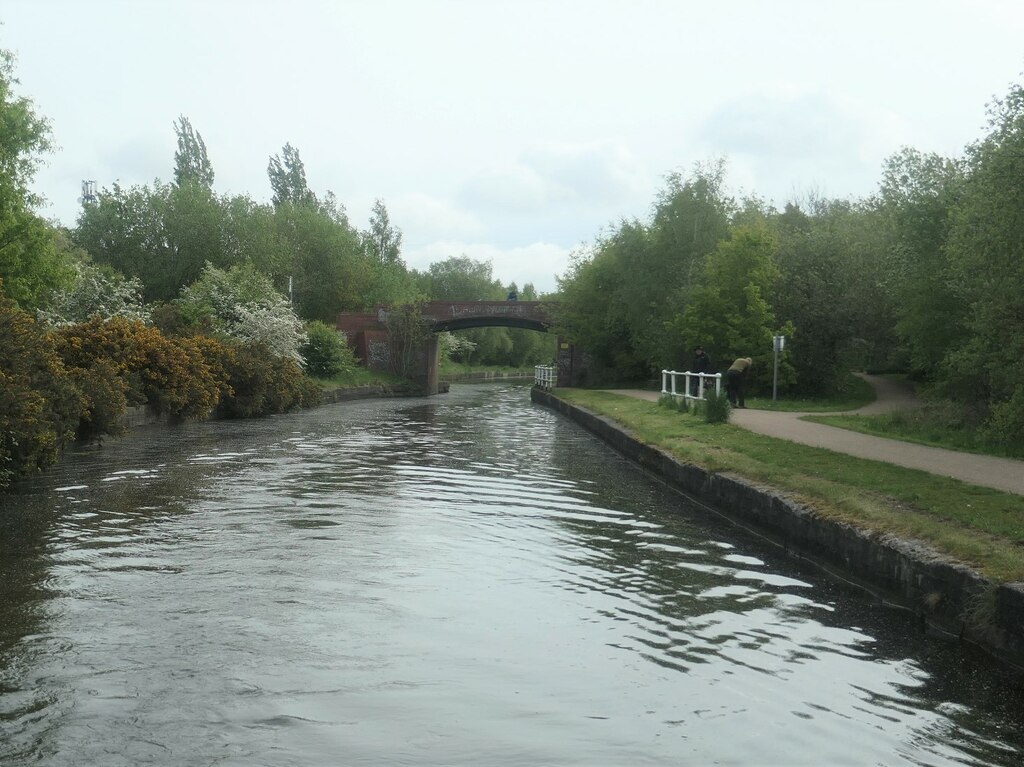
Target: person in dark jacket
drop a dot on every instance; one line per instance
(701, 364)
(734, 378)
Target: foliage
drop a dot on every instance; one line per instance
(621, 298)
(592, 312)
(105, 399)
(98, 291)
(325, 353)
(831, 287)
(161, 235)
(407, 332)
(729, 312)
(716, 407)
(263, 384)
(986, 255)
(241, 303)
(382, 241)
(31, 261)
(39, 405)
(455, 346)
(287, 175)
(918, 195)
(192, 165)
(331, 272)
(169, 375)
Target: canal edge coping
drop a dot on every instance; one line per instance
(946, 595)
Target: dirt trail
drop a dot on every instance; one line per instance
(988, 471)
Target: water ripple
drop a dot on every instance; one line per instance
(469, 580)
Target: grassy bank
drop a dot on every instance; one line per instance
(856, 393)
(930, 425)
(978, 526)
(360, 376)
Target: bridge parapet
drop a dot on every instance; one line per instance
(459, 315)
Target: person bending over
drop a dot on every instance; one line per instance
(734, 379)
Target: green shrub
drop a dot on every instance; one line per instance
(169, 375)
(262, 384)
(682, 404)
(105, 399)
(325, 352)
(716, 407)
(39, 404)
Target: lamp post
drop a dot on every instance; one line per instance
(778, 343)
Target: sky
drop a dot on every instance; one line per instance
(510, 132)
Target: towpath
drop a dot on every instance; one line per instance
(1004, 474)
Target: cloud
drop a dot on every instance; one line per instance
(537, 263)
(780, 142)
(424, 218)
(791, 127)
(148, 157)
(595, 174)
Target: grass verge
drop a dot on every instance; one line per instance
(922, 426)
(856, 393)
(360, 376)
(979, 526)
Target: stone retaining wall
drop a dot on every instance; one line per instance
(946, 595)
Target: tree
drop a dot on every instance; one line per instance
(39, 406)
(242, 304)
(161, 235)
(330, 270)
(729, 312)
(918, 195)
(833, 285)
(382, 242)
(288, 179)
(985, 368)
(31, 265)
(191, 164)
(325, 353)
(98, 291)
(461, 278)
(622, 299)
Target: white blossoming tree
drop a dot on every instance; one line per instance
(96, 291)
(241, 303)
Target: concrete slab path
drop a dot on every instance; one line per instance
(1004, 474)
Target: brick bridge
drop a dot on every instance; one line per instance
(368, 334)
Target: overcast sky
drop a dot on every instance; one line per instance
(509, 131)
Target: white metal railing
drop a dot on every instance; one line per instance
(694, 384)
(545, 376)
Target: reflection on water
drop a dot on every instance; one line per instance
(467, 580)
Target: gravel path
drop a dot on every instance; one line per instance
(1004, 474)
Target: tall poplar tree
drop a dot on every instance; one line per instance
(191, 162)
(382, 241)
(288, 179)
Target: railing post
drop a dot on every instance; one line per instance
(664, 381)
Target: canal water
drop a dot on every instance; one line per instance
(465, 580)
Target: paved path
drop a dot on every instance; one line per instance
(988, 471)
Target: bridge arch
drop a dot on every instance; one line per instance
(368, 333)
